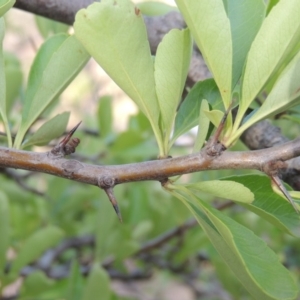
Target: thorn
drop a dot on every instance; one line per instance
(110, 194)
(65, 146)
(276, 180)
(69, 135)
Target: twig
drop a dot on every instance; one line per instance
(150, 170)
(166, 236)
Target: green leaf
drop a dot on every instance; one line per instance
(271, 4)
(231, 190)
(75, 283)
(214, 116)
(98, 283)
(203, 126)
(155, 8)
(188, 114)
(105, 116)
(47, 27)
(50, 130)
(125, 54)
(5, 5)
(14, 78)
(171, 67)
(273, 44)
(4, 230)
(3, 108)
(269, 205)
(210, 28)
(253, 263)
(269, 279)
(245, 18)
(105, 220)
(36, 283)
(60, 52)
(284, 95)
(35, 245)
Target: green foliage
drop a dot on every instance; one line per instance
(255, 265)
(35, 245)
(154, 8)
(203, 126)
(105, 116)
(54, 128)
(58, 52)
(206, 19)
(4, 229)
(5, 5)
(170, 74)
(3, 108)
(97, 284)
(125, 55)
(269, 205)
(188, 114)
(251, 49)
(48, 27)
(14, 80)
(226, 189)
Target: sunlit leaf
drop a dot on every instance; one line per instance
(210, 27)
(271, 4)
(155, 8)
(48, 27)
(214, 116)
(284, 95)
(254, 264)
(45, 84)
(52, 129)
(269, 205)
(3, 106)
(231, 190)
(171, 66)
(273, 44)
(5, 5)
(245, 18)
(188, 114)
(125, 54)
(268, 276)
(203, 126)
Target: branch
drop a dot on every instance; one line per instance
(265, 135)
(261, 135)
(150, 170)
(58, 10)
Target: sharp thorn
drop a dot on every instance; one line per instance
(276, 180)
(109, 192)
(69, 135)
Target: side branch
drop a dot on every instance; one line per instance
(151, 170)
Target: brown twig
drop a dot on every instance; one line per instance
(150, 170)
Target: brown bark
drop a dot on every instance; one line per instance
(150, 170)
